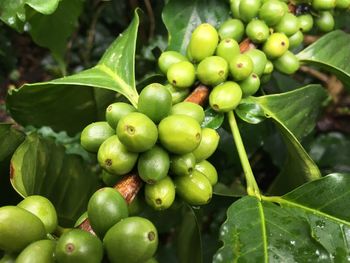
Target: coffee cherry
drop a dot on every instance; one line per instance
(179, 134)
(155, 101)
(232, 28)
(289, 24)
(78, 246)
(342, 4)
(225, 97)
(177, 94)
(296, 39)
(182, 164)
(203, 42)
(41, 251)
(190, 109)
(153, 165)
(248, 9)
(250, 85)
(288, 63)
(209, 143)
(117, 110)
(212, 70)
(42, 208)
(241, 66)
(137, 132)
(105, 208)
(257, 31)
(160, 195)
(114, 157)
(276, 45)
(268, 68)
(132, 240)
(182, 74)
(323, 4)
(228, 48)
(306, 22)
(272, 12)
(234, 6)
(208, 170)
(195, 189)
(169, 58)
(108, 178)
(95, 134)
(15, 235)
(325, 21)
(259, 60)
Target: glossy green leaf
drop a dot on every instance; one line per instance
(13, 12)
(292, 228)
(39, 166)
(10, 139)
(181, 17)
(250, 111)
(212, 119)
(189, 247)
(70, 103)
(330, 52)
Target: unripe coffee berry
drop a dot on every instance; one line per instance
(228, 48)
(225, 97)
(212, 70)
(276, 45)
(169, 58)
(232, 28)
(241, 66)
(182, 74)
(257, 31)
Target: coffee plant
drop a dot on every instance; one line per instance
(206, 131)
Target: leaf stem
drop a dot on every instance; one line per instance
(252, 186)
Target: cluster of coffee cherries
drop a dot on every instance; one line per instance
(162, 142)
(237, 57)
(28, 233)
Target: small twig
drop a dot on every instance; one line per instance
(309, 39)
(152, 21)
(246, 45)
(315, 73)
(199, 95)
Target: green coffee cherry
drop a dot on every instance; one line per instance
(78, 246)
(182, 164)
(108, 178)
(41, 251)
(208, 144)
(241, 66)
(155, 101)
(323, 4)
(234, 5)
(190, 109)
(228, 48)
(232, 28)
(15, 235)
(137, 132)
(8, 258)
(212, 70)
(153, 165)
(268, 68)
(265, 78)
(306, 22)
(136, 206)
(105, 208)
(169, 58)
(116, 111)
(114, 157)
(42, 208)
(257, 31)
(203, 42)
(94, 135)
(179, 134)
(133, 234)
(250, 85)
(225, 97)
(288, 63)
(208, 170)
(276, 45)
(160, 195)
(248, 9)
(195, 188)
(325, 22)
(272, 12)
(289, 24)
(182, 74)
(342, 4)
(296, 39)
(177, 94)
(259, 60)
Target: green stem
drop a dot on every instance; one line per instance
(252, 186)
